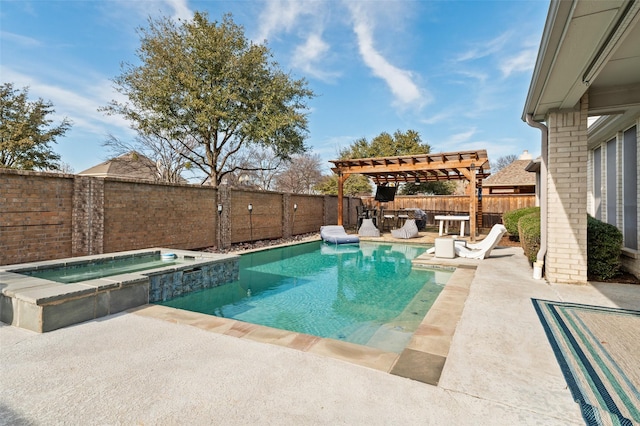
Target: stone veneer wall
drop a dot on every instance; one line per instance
(566, 259)
(88, 216)
(165, 286)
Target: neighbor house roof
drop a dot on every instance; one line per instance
(515, 174)
(130, 165)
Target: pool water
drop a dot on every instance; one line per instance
(69, 274)
(368, 295)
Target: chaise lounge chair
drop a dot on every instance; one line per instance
(336, 234)
(408, 230)
(479, 250)
(482, 249)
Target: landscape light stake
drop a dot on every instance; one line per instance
(250, 207)
(293, 221)
(219, 225)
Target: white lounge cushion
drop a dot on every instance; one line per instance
(497, 231)
(336, 234)
(482, 249)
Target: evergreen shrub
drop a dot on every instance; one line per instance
(529, 234)
(510, 220)
(604, 246)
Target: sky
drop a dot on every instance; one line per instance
(457, 72)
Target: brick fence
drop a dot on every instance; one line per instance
(51, 216)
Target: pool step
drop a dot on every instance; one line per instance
(390, 338)
(386, 337)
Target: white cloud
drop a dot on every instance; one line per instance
(180, 9)
(457, 139)
(486, 86)
(521, 62)
(309, 55)
(280, 15)
(73, 104)
(481, 50)
(127, 14)
(437, 118)
(476, 74)
(305, 21)
(510, 58)
(19, 39)
(401, 82)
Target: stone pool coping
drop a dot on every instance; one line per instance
(43, 305)
(423, 358)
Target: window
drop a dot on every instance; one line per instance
(612, 192)
(630, 188)
(597, 183)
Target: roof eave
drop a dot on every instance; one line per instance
(534, 165)
(578, 54)
(558, 17)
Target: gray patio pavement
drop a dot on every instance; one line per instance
(132, 369)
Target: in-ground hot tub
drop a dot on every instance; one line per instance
(45, 296)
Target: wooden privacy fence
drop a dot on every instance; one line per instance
(493, 205)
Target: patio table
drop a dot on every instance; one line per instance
(445, 221)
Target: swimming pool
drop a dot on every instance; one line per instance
(369, 295)
(107, 267)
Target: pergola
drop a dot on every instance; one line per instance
(418, 168)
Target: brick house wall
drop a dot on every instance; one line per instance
(566, 259)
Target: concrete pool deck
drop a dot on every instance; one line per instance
(133, 369)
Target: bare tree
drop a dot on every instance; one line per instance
(254, 166)
(167, 161)
(503, 162)
(301, 176)
(62, 167)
